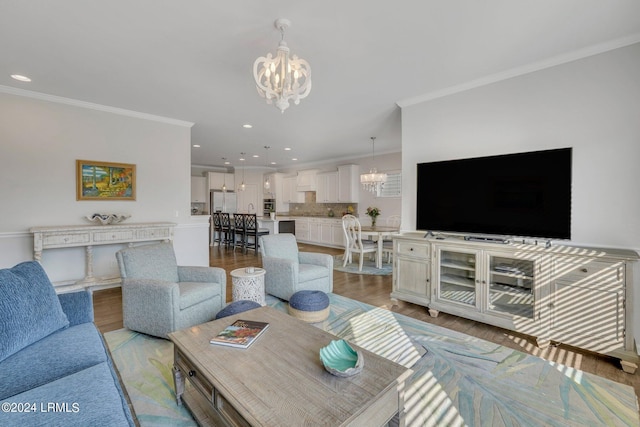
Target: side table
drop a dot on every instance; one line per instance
(248, 285)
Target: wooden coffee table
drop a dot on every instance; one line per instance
(279, 379)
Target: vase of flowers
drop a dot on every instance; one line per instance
(373, 214)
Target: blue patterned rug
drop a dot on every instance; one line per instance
(368, 267)
(458, 380)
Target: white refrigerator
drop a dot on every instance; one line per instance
(222, 202)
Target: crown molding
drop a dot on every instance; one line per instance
(91, 106)
(519, 71)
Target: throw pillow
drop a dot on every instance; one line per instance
(29, 307)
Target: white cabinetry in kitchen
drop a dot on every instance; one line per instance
(327, 183)
(199, 191)
(290, 194)
(219, 179)
(348, 184)
(306, 180)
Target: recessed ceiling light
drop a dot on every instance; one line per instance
(294, 159)
(20, 78)
(227, 163)
(247, 126)
(196, 146)
(287, 149)
(255, 156)
(273, 163)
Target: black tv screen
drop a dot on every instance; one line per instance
(523, 194)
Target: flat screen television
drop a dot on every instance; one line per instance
(523, 194)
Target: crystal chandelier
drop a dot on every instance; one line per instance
(284, 77)
(373, 181)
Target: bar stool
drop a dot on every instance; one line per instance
(252, 230)
(240, 234)
(227, 229)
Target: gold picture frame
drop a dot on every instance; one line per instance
(97, 180)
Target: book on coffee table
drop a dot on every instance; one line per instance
(241, 333)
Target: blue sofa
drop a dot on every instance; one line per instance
(54, 366)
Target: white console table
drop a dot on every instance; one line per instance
(88, 236)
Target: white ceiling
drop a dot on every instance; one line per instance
(192, 61)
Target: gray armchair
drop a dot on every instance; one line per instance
(289, 271)
(159, 297)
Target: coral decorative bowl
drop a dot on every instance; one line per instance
(106, 219)
(340, 359)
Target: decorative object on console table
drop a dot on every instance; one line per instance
(373, 213)
(241, 333)
(105, 181)
(107, 219)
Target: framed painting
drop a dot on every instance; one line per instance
(105, 181)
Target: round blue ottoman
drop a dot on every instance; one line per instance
(237, 307)
(310, 306)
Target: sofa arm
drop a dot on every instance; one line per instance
(205, 275)
(78, 306)
(316, 258)
(202, 274)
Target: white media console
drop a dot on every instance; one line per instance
(573, 295)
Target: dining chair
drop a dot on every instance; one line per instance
(387, 243)
(353, 241)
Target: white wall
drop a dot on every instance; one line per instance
(591, 105)
(40, 142)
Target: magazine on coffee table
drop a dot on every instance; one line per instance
(241, 333)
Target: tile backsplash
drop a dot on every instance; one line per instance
(311, 208)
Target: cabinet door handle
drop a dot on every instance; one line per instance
(584, 270)
(192, 373)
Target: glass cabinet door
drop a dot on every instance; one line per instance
(511, 287)
(458, 277)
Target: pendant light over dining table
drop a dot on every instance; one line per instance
(242, 187)
(284, 77)
(374, 180)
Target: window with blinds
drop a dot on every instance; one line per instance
(393, 186)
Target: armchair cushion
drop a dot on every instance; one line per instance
(192, 293)
(307, 272)
(29, 307)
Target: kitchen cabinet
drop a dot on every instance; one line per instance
(320, 231)
(290, 194)
(327, 184)
(306, 180)
(302, 229)
(348, 184)
(573, 295)
(218, 179)
(199, 191)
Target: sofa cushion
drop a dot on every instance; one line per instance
(60, 354)
(29, 307)
(91, 397)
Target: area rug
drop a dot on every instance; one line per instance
(457, 380)
(368, 267)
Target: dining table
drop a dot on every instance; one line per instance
(379, 232)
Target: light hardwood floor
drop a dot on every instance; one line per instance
(375, 290)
